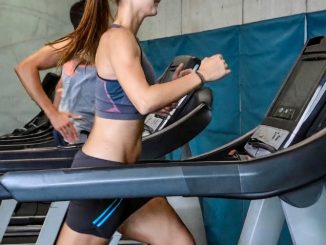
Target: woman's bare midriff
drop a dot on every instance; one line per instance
(115, 140)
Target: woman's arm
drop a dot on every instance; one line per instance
(119, 48)
(28, 72)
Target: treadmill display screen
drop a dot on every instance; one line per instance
(299, 88)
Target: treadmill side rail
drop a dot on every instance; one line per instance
(252, 179)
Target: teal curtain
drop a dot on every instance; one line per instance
(268, 50)
(260, 56)
(316, 24)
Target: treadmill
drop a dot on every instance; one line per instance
(190, 117)
(282, 158)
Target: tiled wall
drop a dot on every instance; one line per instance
(187, 16)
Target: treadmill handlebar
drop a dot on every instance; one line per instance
(250, 179)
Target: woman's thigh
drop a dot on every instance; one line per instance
(156, 223)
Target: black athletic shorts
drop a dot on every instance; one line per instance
(100, 218)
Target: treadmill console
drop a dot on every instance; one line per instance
(299, 101)
(155, 122)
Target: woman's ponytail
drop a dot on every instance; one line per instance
(84, 41)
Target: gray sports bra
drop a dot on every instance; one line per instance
(111, 101)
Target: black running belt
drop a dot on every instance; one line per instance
(301, 164)
(45, 143)
(34, 164)
(39, 153)
(31, 138)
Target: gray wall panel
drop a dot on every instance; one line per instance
(166, 23)
(25, 26)
(316, 5)
(256, 10)
(207, 14)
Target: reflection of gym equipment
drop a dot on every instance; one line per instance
(38, 131)
(185, 123)
(288, 162)
(188, 120)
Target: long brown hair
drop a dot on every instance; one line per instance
(84, 41)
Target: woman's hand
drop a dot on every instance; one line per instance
(63, 122)
(179, 72)
(214, 68)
